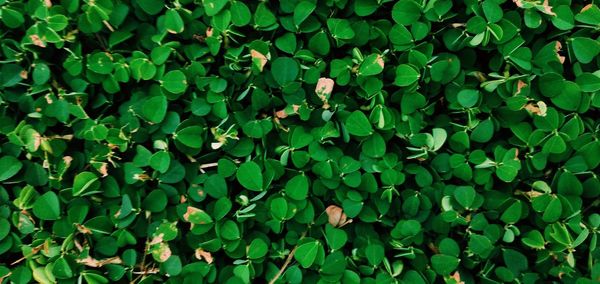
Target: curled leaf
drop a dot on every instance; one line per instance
(337, 217)
(538, 108)
(258, 59)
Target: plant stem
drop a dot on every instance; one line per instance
(288, 260)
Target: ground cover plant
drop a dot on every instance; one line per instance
(299, 141)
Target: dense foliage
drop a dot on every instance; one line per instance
(299, 141)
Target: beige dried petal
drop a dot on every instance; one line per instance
(296, 108)
(209, 32)
(586, 7)
(380, 60)
(548, 8)
(260, 58)
(520, 85)
(36, 40)
(67, 160)
(83, 229)
(202, 254)
(281, 114)
(103, 169)
(37, 141)
(23, 74)
(557, 49)
(48, 3)
(165, 253)
(519, 3)
(157, 239)
(48, 99)
(456, 277)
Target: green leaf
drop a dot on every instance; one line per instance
(340, 28)
(229, 231)
(480, 245)
(336, 238)
(142, 69)
(375, 254)
(533, 239)
(492, 11)
(4, 228)
(279, 208)
(155, 109)
(302, 11)
(85, 182)
(190, 136)
(513, 213)
(483, 132)
(358, 124)
(213, 7)
(307, 253)
(286, 43)
(406, 12)
(250, 176)
(47, 206)
(263, 17)
(12, 18)
(371, 65)
(465, 196)
(588, 82)
(444, 264)
(9, 167)
(553, 211)
(216, 186)
(555, 145)
(284, 70)
(173, 22)
(406, 75)
(155, 201)
(174, 81)
(41, 73)
(62, 269)
(160, 161)
(468, 98)
(257, 249)
(297, 187)
(151, 7)
(240, 14)
(100, 63)
(585, 49)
